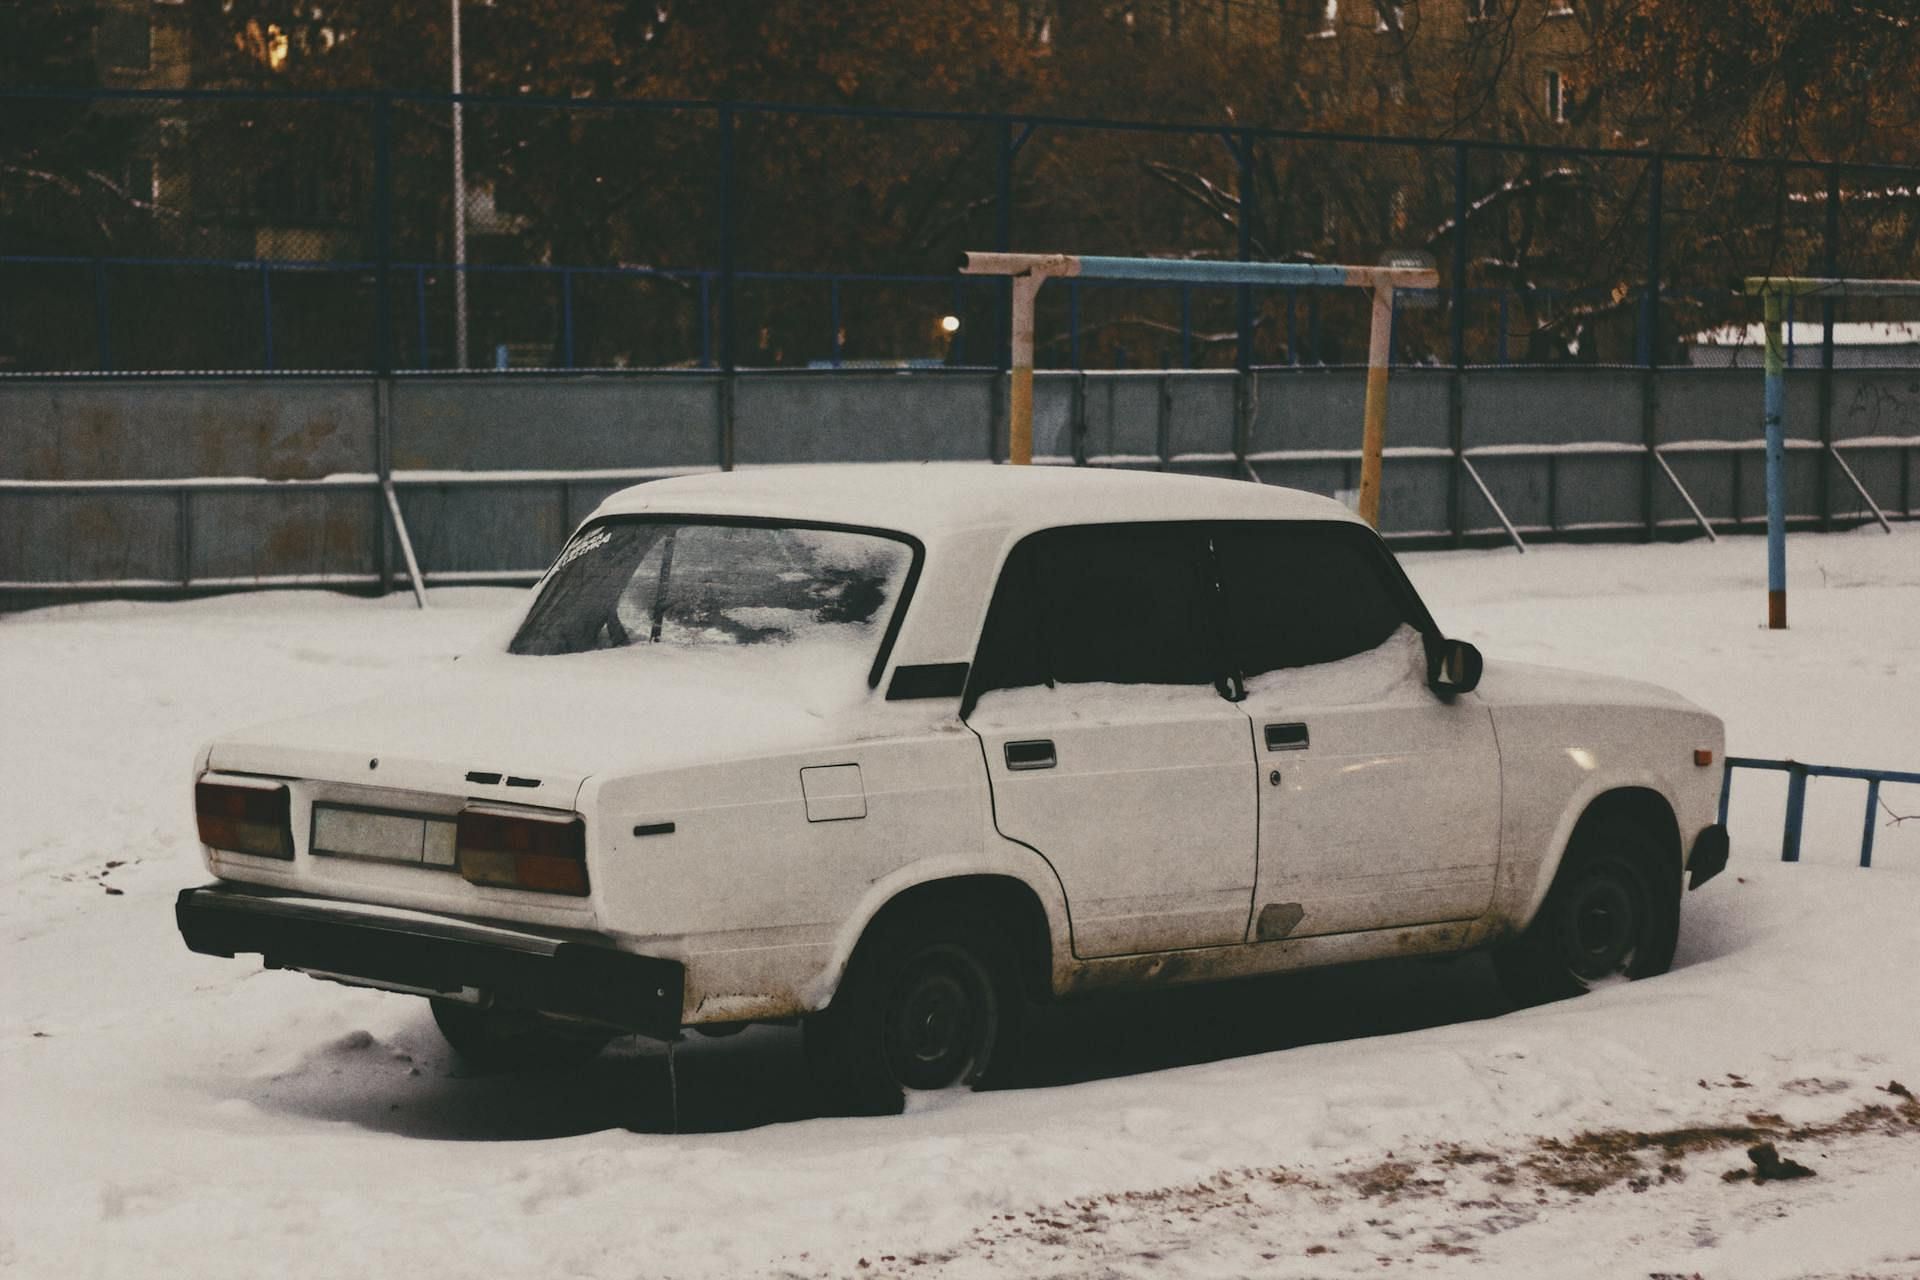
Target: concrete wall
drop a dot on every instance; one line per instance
(307, 430)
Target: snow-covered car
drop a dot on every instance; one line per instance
(900, 750)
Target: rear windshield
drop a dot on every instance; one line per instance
(708, 585)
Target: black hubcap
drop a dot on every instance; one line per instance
(939, 1024)
(1603, 921)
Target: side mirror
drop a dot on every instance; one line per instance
(1453, 666)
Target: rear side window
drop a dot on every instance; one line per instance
(1119, 604)
(1301, 594)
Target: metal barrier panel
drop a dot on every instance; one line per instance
(556, 423)
(862, 417)
(1708, 424)
(106, 481)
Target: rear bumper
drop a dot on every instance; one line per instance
(497, 966)
(1709, 856)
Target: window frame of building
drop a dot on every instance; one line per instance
(1556, 95)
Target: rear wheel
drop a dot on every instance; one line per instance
(924, 1006)
(511, 1040)
(1612, 915)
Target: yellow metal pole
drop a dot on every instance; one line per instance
(1374, 438)
(1020, 391)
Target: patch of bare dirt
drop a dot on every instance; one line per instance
(1493, 1191)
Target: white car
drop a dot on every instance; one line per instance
(898, 750)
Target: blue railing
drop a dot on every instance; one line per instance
(1797, 775)
(1300, 327)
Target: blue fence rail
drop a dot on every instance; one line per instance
(1797, 775)
(364, 194)
(1300, 324)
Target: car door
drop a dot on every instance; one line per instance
(1379, 803)
(1112, 750)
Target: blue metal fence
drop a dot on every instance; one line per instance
(1797, 775)
(381, 232)
(1302, 332)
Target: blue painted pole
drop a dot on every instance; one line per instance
(1796, 812)
(1776, 394)
(1866, 836)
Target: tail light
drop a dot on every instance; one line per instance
(514, 849)
(244, 815)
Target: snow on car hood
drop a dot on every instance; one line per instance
(1520, 684)
(556, 720)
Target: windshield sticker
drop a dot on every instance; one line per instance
(593, 541)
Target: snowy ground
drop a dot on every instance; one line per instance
(167, 1114)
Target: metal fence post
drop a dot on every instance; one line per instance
(1866, 836)
(1796, 812)
(1650, 336)
(1243, 306)
(266, 314)
(833, 322)
(1457, 379)
(1003, 238)
(383, 335)
(102, 330)
(420, 317)
(727, 285)
(1243, 295)
(383, 234)
(1831, 233)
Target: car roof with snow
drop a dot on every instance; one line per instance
(931, 499)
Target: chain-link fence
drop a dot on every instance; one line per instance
(212, 231)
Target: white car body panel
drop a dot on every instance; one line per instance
(1147, 818)
(1408, 824)
(1389, 815)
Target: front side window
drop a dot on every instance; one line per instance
(705, 585)
(1302, 594)
(1103, 604)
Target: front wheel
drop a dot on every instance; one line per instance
(1611, 916)
(923, 1007)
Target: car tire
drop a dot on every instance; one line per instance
(925, 1005)
(1613, 914)
(509, 1040)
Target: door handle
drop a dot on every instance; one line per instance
(1287, 737)
(1034, 754)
